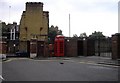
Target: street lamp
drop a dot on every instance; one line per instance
(68, 40)
(14, 47)
(84, 38)
(9, 13)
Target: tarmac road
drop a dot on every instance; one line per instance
(56, 70)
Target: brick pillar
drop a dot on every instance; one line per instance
(46, 48)
(85, 47)
(90, 47)
(51, 50)
(4, 47)
(33, 48)
(116, 46)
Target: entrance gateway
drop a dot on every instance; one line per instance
(38, 49)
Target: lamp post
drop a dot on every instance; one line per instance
(14, 47)
(69, 25)
(9, 13)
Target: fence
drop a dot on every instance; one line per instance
(102, 46)
(97, 46)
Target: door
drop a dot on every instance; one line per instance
(80, 47)
(28, 48)
(40, 48)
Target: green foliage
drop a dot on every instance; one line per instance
(83, 35)
(97, 35)
(75, 36)
(53, 32)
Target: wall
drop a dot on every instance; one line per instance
(34, 22)
(34, 25)
(3, 47)
(116, 46)
(71, 47)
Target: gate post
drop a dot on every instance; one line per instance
(116, 46)
(85, 47)
(33, 49)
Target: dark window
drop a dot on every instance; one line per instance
(61, 47)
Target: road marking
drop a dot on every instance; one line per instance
(11, 59)
(7, 60)
(2, 77)
(93, 63)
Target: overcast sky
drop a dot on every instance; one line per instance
(86, 15)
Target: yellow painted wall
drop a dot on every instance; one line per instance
(23, 34)
(32, 20)
(45, 23)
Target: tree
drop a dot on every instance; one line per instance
(83, 35)
(97, 35)
(53, 32)
(75, 35)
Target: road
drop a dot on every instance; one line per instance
(56, 70)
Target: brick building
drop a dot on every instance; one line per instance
(12, 37)
(9, 36)
(2, 42)
(34, 25)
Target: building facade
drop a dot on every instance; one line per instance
(12, 37)
(9, 37)
(34, 25)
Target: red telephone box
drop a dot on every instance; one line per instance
(59, 45)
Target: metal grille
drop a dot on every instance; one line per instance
(103, 47)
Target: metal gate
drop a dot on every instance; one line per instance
(103, 47)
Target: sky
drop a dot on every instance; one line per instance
(85, 15)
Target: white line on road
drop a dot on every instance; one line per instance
(93, 63)
(1, 77)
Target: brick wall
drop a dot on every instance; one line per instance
(3, 47)
(33, 48)
(88, 47)
(116, 46)
(71, 47)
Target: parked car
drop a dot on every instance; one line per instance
(22, 53)
(2, 56)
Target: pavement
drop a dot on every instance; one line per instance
(100, 60)
(86, 59)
